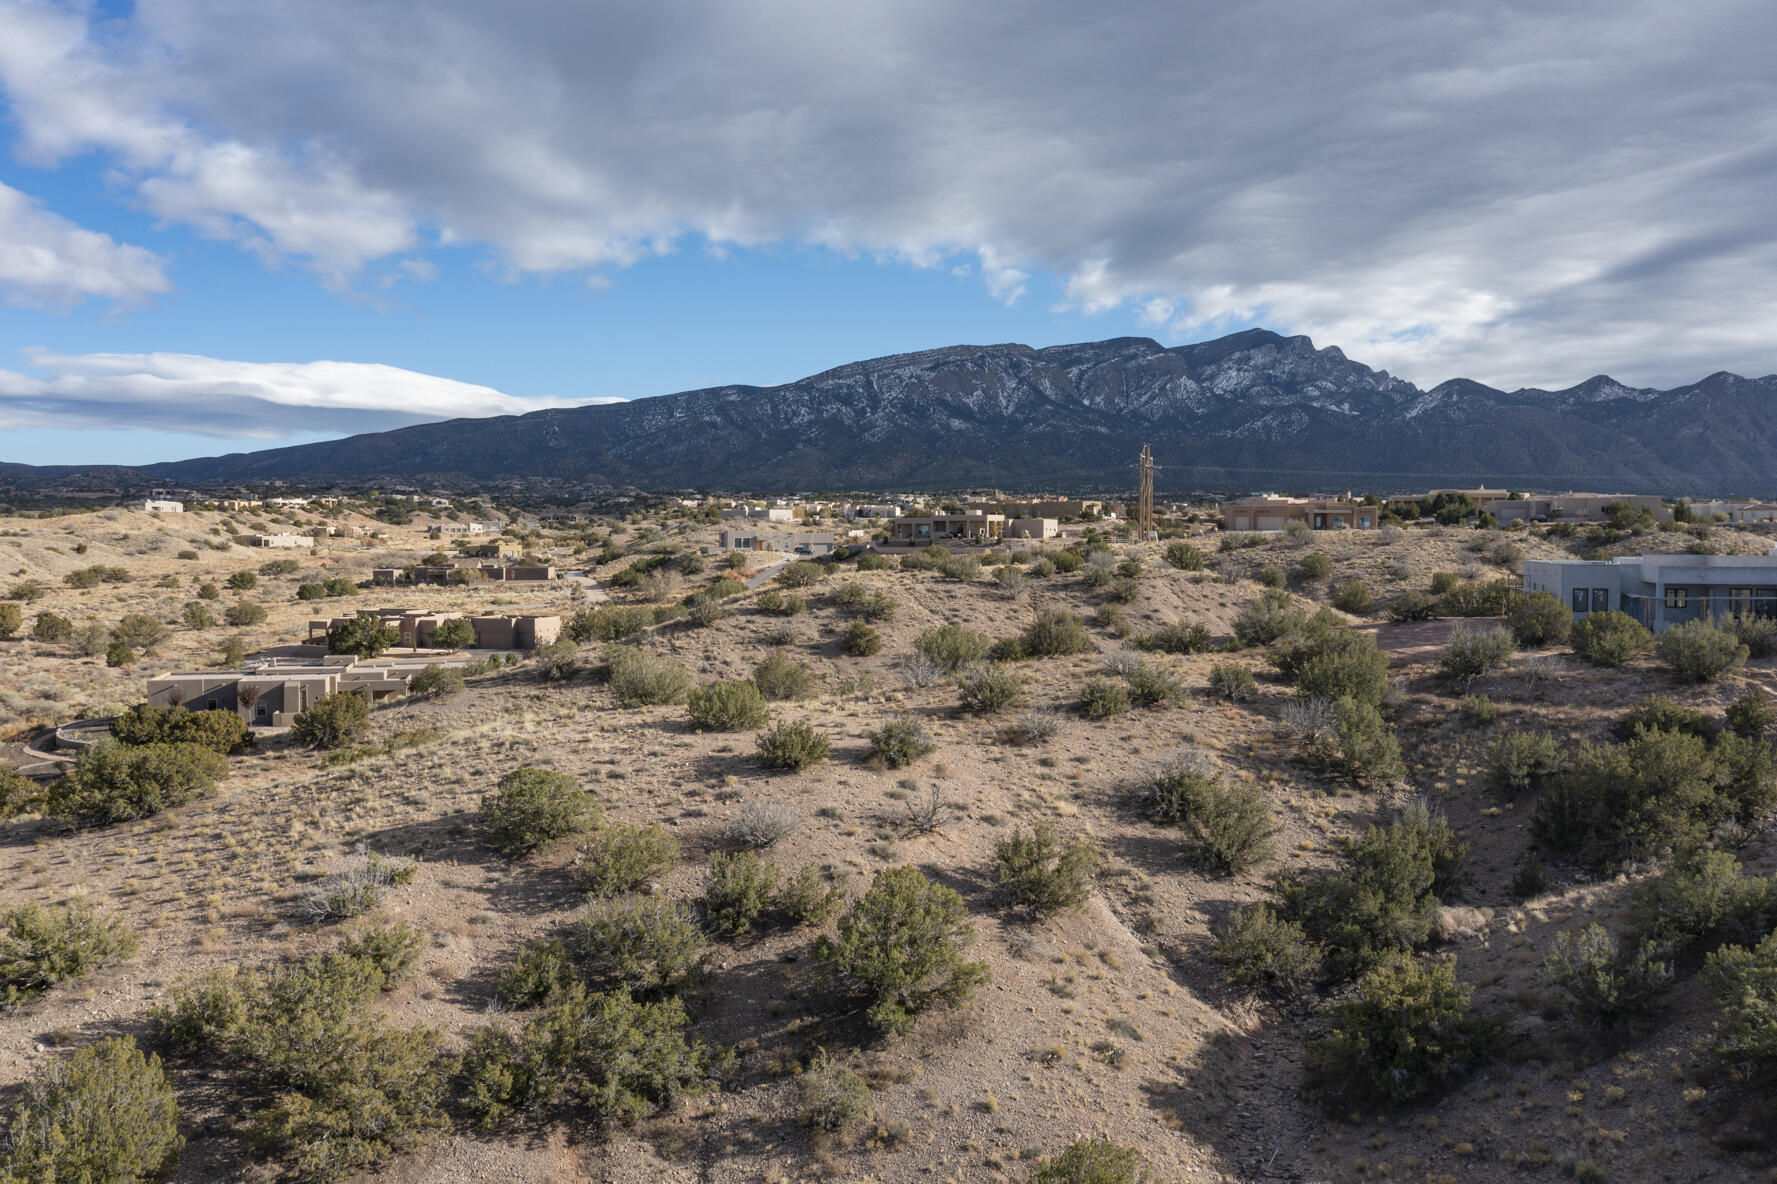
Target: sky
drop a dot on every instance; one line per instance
(227, 225)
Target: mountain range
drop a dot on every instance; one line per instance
(1251, 410)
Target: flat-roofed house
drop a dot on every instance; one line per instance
(1660, 590)
(285, 541)
(1271, 512)
(977, 527)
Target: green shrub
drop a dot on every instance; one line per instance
(951, 646)
(437, 681)
(1101, 698)
(1744, 984)
(1180, 637)
(989, 687)
(778, 677)
(1352, 596)
(1261, 951)
(1537, 619)
(778, 605)
(196, 616)
(1227, 826)
(118, 654)
(791, 746)
(541, 972)
(1067, 560)
(363, 635)
(900, 741)
(1232, 680)
(52, 627)
(1758, 634)
(643, 944)
(1610, 638)
(1055, 632)
(243, 581)
(830, 1096)
(1412, 606)
(641, 679)
(455, 634)
(1184, 556)
(393, 947)
(1752, 714)
(243, 613)
(1041, 873)
(1660, 713)
(1091, 1161)
(18, 795)
(199, 1010)
(1360, 744)
(311, 591)
(1519, 762)
(1314, 566)
(1406, 1036)
(1478, 709)
(534, 809)
(1607, 988)
(1382, 897)
(737, 889)
(1697, 651)
(875, 562)
(219, 731)
(801, 574)
(726, 588)
(1470, 653)
(1271, 577)
(105, 1115)
(12, 619)
(803, 898)
(609, 622)
(619, 858)
(1703, 900)
(558, 661)
(337, 1088)
(731, 705)
(332, 721)
(359, 886)
(42, 945)
(1151, 685)
(117, 783)
(1656, 792)
(1345, 665)
(861, 641)
(902, 947)
(139, 631)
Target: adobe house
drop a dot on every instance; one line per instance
(272, 695)
(416, 629)
(1271, 512)
(969, 527)
(799, 542)
(1032, 528)
(1572, 507)
(1660, 590)
(284, 541)
(513, 572)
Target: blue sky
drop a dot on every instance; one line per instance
(229, 226)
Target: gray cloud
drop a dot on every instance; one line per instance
(263, 400)
(47, 260)
(1522, 193)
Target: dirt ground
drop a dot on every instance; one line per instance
(1111, 1020)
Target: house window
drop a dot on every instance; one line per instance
(1600, 599)
(209, 704)
(1677, 597)
(1581, 600)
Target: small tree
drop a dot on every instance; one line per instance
(107, 1113)
(1744, 983)
(989, 687)
(1407, 1035)
(1470, 653)
(243, 581)
(534, 809)
(1610, 638)
(1521, 761)
(453, 635)
(558, 661)
(1261, 950)
(437, 681)
(619, 858)
(779, 677)
(1041, 873)
(860, 640)
(832, 1097)
(117, 783)
(902, 947)
(737, 889)
(952, 646)
(12, 619)
(363, 635)
(1538, 619)
(52, 627)
(333, 721)
(642, 679)
(1606, 987)
(649, 944)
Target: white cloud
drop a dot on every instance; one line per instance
(262, 400)
(1521, 193)
(47, 260)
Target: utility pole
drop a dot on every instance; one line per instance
(1145, 506)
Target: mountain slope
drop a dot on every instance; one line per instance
(1251, 409)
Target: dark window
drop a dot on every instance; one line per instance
(1600, 599)
(1677, 597)
(1581, 600)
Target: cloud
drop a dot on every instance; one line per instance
(47, 260)
(258, 400)
(1520, 193)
